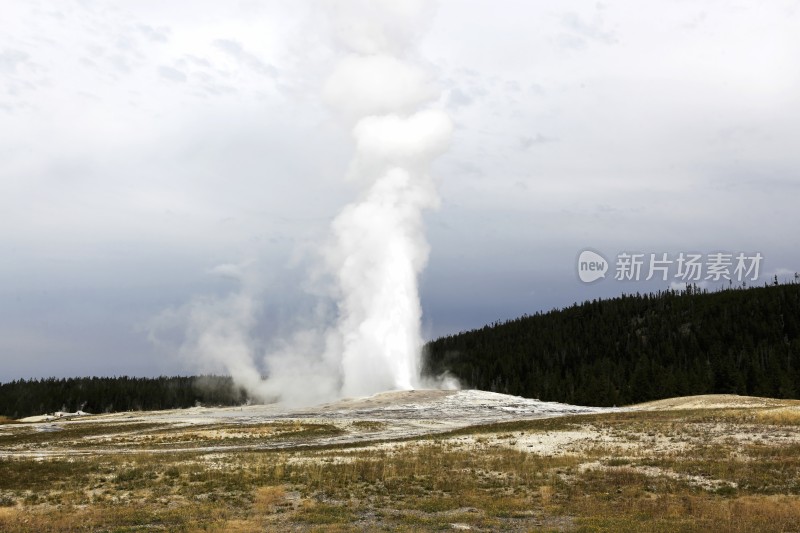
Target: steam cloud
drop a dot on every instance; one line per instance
(377, 246)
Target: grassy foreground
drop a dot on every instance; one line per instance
(727, 470)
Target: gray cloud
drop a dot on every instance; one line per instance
(120, 193)
(526, 142)
(235, 50)
(171, 74)
(458, 98)
(120, 62)
(592, 31)
(10, 59)
(160, 34)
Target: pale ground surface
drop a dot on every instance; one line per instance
(386, 420)
(715, 401)
(385, 416)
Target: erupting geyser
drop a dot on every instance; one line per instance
(379, 249)
(377, 246)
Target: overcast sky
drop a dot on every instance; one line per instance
(143, 144)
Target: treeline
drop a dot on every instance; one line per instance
(619, 351)
(23, 398)
(636, 348)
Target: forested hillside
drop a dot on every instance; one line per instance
(636, 348)
(606, 352)
(99, 395)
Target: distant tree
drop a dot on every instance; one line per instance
(21, 398)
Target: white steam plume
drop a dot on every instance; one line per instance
(377, 247)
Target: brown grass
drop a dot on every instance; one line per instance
(433, 482)
(784, 416)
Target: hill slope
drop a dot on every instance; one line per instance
(637, 348)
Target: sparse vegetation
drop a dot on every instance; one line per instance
(727, 470)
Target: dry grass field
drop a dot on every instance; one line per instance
(716, 463)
